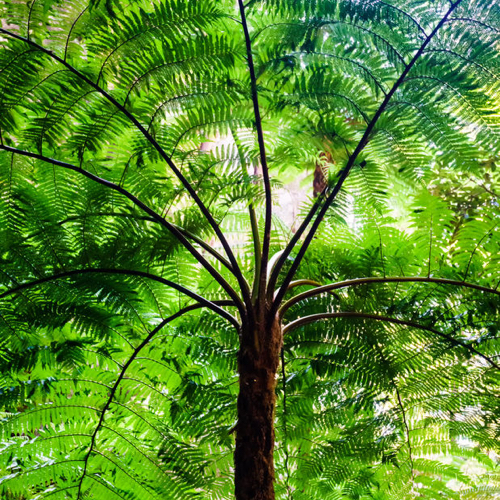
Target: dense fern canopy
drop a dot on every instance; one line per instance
(143, 147)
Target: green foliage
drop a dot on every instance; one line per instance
(106, 391)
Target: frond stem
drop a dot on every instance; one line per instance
(352, 314)
(263, 159)
(127, 272)
(351, 162)
(71, 30)
(407, 428)
(119, 379)
(173, 229)
(185, 232)
(284, 254)
(253, 222)
(400, 404)
(363, 281)
(192, 192)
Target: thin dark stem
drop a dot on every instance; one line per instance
(365, 281)
(257, 251)
(137, 350)
(285, 446)
(291, 245)
(173, 229)
(351, 314)
(185, 232)
(407, 428)
(192, 192)
(351, 162)
(306, 282)
(347, 23)
(253, 222)
(474, 21)
(206, 247)
(107, 486)
(263, 160)
(71, 30)
(29, 19)
(58, 490)
(400, 403)
(127, 272)
(335, 56)
(488, 233)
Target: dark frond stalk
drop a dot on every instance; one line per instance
(474, 21)
(291, 245)
(285, 430)
(257, 251)
(173, 229)
(111, 396)
(208, 248)
(407, 429)
(304, 282)
(366, 281)
(253, 223)
(263, 160)
(351, 314)
(488, 233)
(128, 272)
(185, 232)
(192, 192)
(29, 19)
(400, 404)
(71, 30)
(352, 160)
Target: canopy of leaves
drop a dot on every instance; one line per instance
(108, 391)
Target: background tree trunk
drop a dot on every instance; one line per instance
(258, 362)
(319, 179)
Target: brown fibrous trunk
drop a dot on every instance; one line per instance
(258, 362)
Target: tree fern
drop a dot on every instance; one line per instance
(164, 334)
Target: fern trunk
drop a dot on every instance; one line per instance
(258, 363)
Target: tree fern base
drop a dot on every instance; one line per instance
(253, 458)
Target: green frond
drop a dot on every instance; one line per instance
(134, 223)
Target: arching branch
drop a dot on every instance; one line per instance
(187, 185)
(173, 229)
(351, 314)
(366, 281)
(213, 305)
(473, 21)
(58, 490)
(71, 30)
(340, 58)
(404, 13)
(371, 32)
(401, 406)
(208, 248)
(345, 172)
(407, 428)
(263, 160)
(137, 350)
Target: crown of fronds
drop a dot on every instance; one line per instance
(105, 390)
